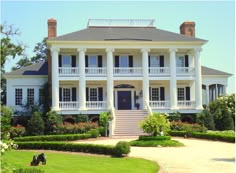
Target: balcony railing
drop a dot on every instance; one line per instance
(185, 71)
(96, 105)
(156, 71)
(186, 104)
(159, 104)
(95, 71)
(127, 71)
(68, 71)
(69, 105)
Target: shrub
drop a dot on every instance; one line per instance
(104, 119)
(154, 124)
(156, 143)
(69, 137)
(148, 138)
(118, 150)
(205, 118)
(53, 120)
(28, 170)
(68, 128)
(6, 114)
(17, 131)
(81, 118)
(35, 124)
(176, 116)
(94, 133)
(181, 126)
(122, 148)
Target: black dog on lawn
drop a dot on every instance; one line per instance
(37, 159)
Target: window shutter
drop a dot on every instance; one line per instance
(134, 97)
(149, 61)
(162, 93)
(87, 94)
(100, 94)
(60, 60)
(86, 60)
(73, 94)
(187, 93)
(161, 61)
(116, 61)
(99, 60)
(186, 61)
(73, 60)
(60, 94)
(130, 61)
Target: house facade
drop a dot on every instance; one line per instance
(121, 66)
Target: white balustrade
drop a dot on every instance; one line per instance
(159, 71)
(185, 104)
(73, 105)
(95, 71)
(96, 104)
(127, 71)
(159, 104)
(68, 71)
(186, 71)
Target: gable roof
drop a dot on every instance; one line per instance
(211, 71)
(123, 34)
(40, 68)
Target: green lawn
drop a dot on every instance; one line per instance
(73, 163)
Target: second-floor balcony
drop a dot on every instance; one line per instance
(185, 71)
(127, 71)
(95, 71)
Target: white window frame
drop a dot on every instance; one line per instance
(30, 96)
(124, 57)
(18, 98)
(93, 96)
(64, 99)
(62, 61)
(158, 92)
(158, 59)
(184, 96)
(89, 60)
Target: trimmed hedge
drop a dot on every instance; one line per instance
(86, 148)
(69, 137)
(156, 143)
(148, 138)
(210, 136)
(28, 170)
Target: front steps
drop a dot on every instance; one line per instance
(127, 122)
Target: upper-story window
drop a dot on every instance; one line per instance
(154, 61)
(123, 61)
(92, 61)
(180, 61)
(66, 61)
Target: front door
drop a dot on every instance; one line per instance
(124, 100)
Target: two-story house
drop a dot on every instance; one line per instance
(128, 67)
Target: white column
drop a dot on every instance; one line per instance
(55, 79)
(110, 97)
(198, 80)
(145, 77)
(173, 84)
(82, 81)
(224, 89)
(207, 94)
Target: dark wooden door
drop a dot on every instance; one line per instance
(124, 100)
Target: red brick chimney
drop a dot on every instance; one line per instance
(52, 28)
(187, 28)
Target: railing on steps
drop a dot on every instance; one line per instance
(149, 109)
(112, 123)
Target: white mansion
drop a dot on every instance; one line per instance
(120, 66)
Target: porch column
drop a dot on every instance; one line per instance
(82, 81)
(173, 85)
(198, 80)
(145, 77)
(207, 94)
(224, 89)
(55, 79)
(110, 97)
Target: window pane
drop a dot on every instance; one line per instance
(66, 94)
(30, 96)
(155, 94)
(66, 61)
(92, 61)
(180, 61)
(124, 61)
(154, 61)
(93, 95)
(18, 96)
(181, 94)
(41, 96)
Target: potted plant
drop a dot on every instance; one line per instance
(137, 105)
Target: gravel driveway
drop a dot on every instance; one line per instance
(198, 156)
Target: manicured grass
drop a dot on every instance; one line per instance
(71, 163)
(156, 143)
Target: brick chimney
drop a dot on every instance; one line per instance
(187, 28)
(52, 28)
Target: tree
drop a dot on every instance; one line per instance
(53, 120)
(22, 63)
(154, 124)
(104, 119)
(35, 124)
(6, 114)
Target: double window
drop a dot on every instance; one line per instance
(30, 96)
(18, 96)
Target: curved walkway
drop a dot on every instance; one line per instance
(198, 156)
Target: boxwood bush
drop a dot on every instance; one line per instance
(148, 138)
(69, 137)
(119, 150)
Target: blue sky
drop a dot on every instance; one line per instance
(215, 22)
